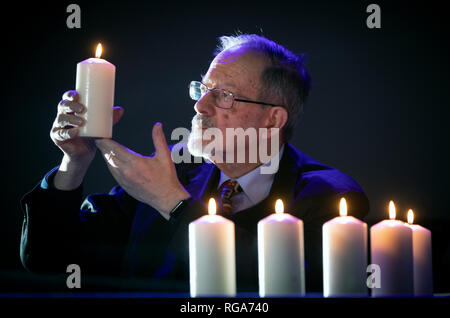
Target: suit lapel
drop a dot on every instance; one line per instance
(285, 180)
(283, 188)
(201, 181)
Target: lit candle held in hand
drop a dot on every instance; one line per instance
(344, 255)
(281, 255)
(95, 86)
(212, 260)
(391, 249)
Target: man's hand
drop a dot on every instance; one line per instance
(152, 180)
(78, 152)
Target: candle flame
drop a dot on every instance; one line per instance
(343, 207)
(410, 216)
(212, 206)
(98, 51)
(279, 207)
(391, 210)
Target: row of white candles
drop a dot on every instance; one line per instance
(401, 250)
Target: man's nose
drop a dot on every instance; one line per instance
(205, 105)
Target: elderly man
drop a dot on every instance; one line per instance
(140, 229)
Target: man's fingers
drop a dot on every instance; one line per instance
(67, 106)
(71, 95)
(64, 134)
(117, 114)
(159, 141)
(63, 120)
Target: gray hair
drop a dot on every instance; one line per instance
(285, 80)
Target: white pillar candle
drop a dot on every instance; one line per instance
(95, 86)
(423, 269)
(344, 255)
(212, 260)
(280, 255)
(391, 249)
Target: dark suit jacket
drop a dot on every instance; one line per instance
(115, 234)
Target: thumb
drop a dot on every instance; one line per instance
(117, 114)
(159, 141)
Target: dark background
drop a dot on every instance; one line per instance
(378, 109)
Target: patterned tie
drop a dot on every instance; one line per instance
(227, 190)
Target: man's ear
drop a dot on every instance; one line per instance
(277, 117)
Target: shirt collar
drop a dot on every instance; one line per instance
(254, 184)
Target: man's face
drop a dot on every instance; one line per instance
(238, 72)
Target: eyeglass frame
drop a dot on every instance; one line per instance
(231, 93)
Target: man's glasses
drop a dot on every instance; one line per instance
(222, 98)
